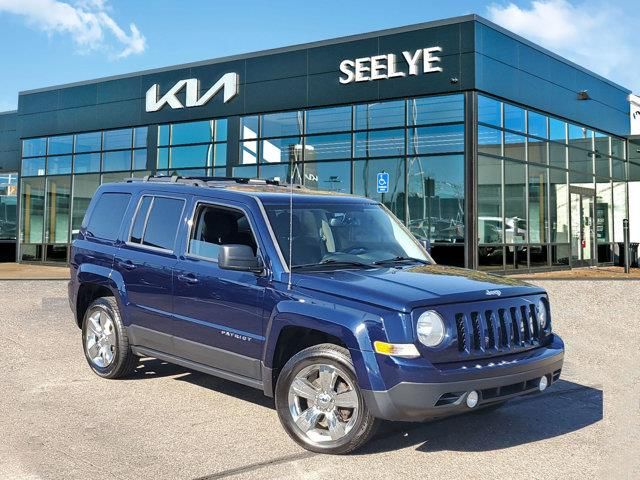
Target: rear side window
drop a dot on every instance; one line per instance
(157, 222)
(107, 215)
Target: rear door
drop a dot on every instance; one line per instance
(97, 242)
(145, 260)
(219, 312)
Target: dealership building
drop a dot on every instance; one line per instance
(502, 154)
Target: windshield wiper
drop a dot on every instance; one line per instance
(332, 263)
(400, 258)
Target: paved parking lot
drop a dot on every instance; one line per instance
(59, 421)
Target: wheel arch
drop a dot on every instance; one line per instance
(95, 282)
(296, 326)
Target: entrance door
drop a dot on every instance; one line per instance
(582, 229)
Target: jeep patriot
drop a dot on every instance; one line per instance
(325, 302)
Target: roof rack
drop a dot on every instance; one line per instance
(205, 181)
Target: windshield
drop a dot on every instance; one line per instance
(356, 234)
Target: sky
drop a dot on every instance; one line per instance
(51, 42)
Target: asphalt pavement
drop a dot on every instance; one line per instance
(60, 421)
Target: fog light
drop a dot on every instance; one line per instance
(544, 383)
(472, 399)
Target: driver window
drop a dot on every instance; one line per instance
(215, 226)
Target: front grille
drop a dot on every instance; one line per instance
(497, 329)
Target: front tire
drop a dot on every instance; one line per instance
(105, 341)
(319, 402)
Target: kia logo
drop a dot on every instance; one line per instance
(229, 85)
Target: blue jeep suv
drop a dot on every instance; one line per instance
(325, 302)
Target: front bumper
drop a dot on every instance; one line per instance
(412, 401)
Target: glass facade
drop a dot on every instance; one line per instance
(8, 206)
(549, 192)
(60, 175)
(419, 142)
(634, 191)
(193, 148)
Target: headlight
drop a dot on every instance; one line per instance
(542, 314)
(430, 329)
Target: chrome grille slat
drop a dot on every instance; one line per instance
(496, 330)
(461, 328)
(526, 323)
(490, 333)
(534, 323)
(505, 331)
(517, 326)
(477, 333)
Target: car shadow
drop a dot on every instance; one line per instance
(228, 388)
(564, 408)
(152, 367)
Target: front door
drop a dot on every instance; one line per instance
(218, 313)
(582, 228)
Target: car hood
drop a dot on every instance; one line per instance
(404, 289)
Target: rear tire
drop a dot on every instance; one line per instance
(319, 402)
(105, 341)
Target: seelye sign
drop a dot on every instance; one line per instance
(365, 69)
(383, 67)
(228, 84)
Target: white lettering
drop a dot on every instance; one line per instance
(378, 68)
(412, 61)
(428, 60)
(361, 69)
(391, 67)
(382, 67)
(634, 114)
(345, 67)
(229, 84)
(154, 104)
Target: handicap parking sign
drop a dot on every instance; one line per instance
(383, 182)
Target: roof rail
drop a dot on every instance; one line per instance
(172, 179)
(204, 181)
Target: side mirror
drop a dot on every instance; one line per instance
(239, 258)
(426, 244)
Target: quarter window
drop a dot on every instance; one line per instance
(107, 215)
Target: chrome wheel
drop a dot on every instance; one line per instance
(100, 338)
(323, 403)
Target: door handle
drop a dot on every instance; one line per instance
(189, 278)
(127, 265)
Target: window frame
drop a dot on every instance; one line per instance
(91, 212)
(153, 196)
(223, 205)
